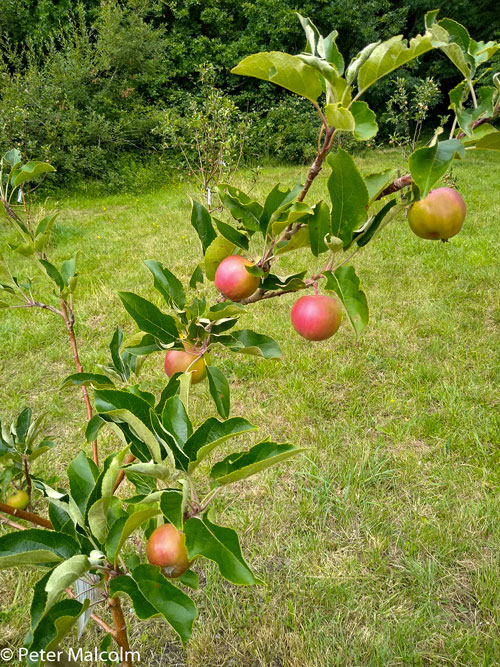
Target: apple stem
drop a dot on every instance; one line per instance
(315, 285)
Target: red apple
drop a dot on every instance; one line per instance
(178, 361)
(20, 500)
(166, 547)
(440, 215)
(316, 317)
(233, 280)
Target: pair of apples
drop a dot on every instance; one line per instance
(315, 317)
(439, 216)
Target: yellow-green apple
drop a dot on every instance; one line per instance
(439, 216)
(179, 361)
(20, 500)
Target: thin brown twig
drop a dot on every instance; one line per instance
(27, 516)
(121, 475)
(69, 321)
(12, 524)
(95, 618)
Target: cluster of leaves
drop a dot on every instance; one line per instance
(93, 528)
(34, 239)
(20, 446)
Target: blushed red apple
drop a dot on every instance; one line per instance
(166, 547)
(316, 317)
(439, 216)
(233, 280)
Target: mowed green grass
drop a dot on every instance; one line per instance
(380, 545)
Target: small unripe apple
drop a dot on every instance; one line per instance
(178, 361)
(316, 317)
(233, 280)
(166, 547)
(20, 500)
(439, 216)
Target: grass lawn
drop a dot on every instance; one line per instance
(380, 546)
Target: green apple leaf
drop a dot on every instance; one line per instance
(219, 249)
(126, 585)
(35, 547)
(86, 380)
(345, 283)
(150, 469)
(53, 627)
(429, 163)
(211, 434)
(357, 61)
(30, 171)
(220, 544)
(287, 215)
(82, 476)
(489, 142)
(97, 511)
(202, 222)
(386, 213)
(63, 576)
(319, 226)
(150, 318)
(324, 47)
(141, 344)
(169, 390)
(167, 284)
(190, 579)
(225, 309)
(172, 507)
(275, 200)
(197, 277)
(219, 390)
(388, 56)
(365, 121)
(299, 240)
(349, 196)
(175, 420)
(53, 273)
(123, 528)
(240, 465)
(289, 283)
(284, 70)
(246, 341)
(376, 183)
(339, 117)
(232, 234)
(242, 207)
(13, 157)
(175, 606)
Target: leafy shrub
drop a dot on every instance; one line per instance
(288, 131)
